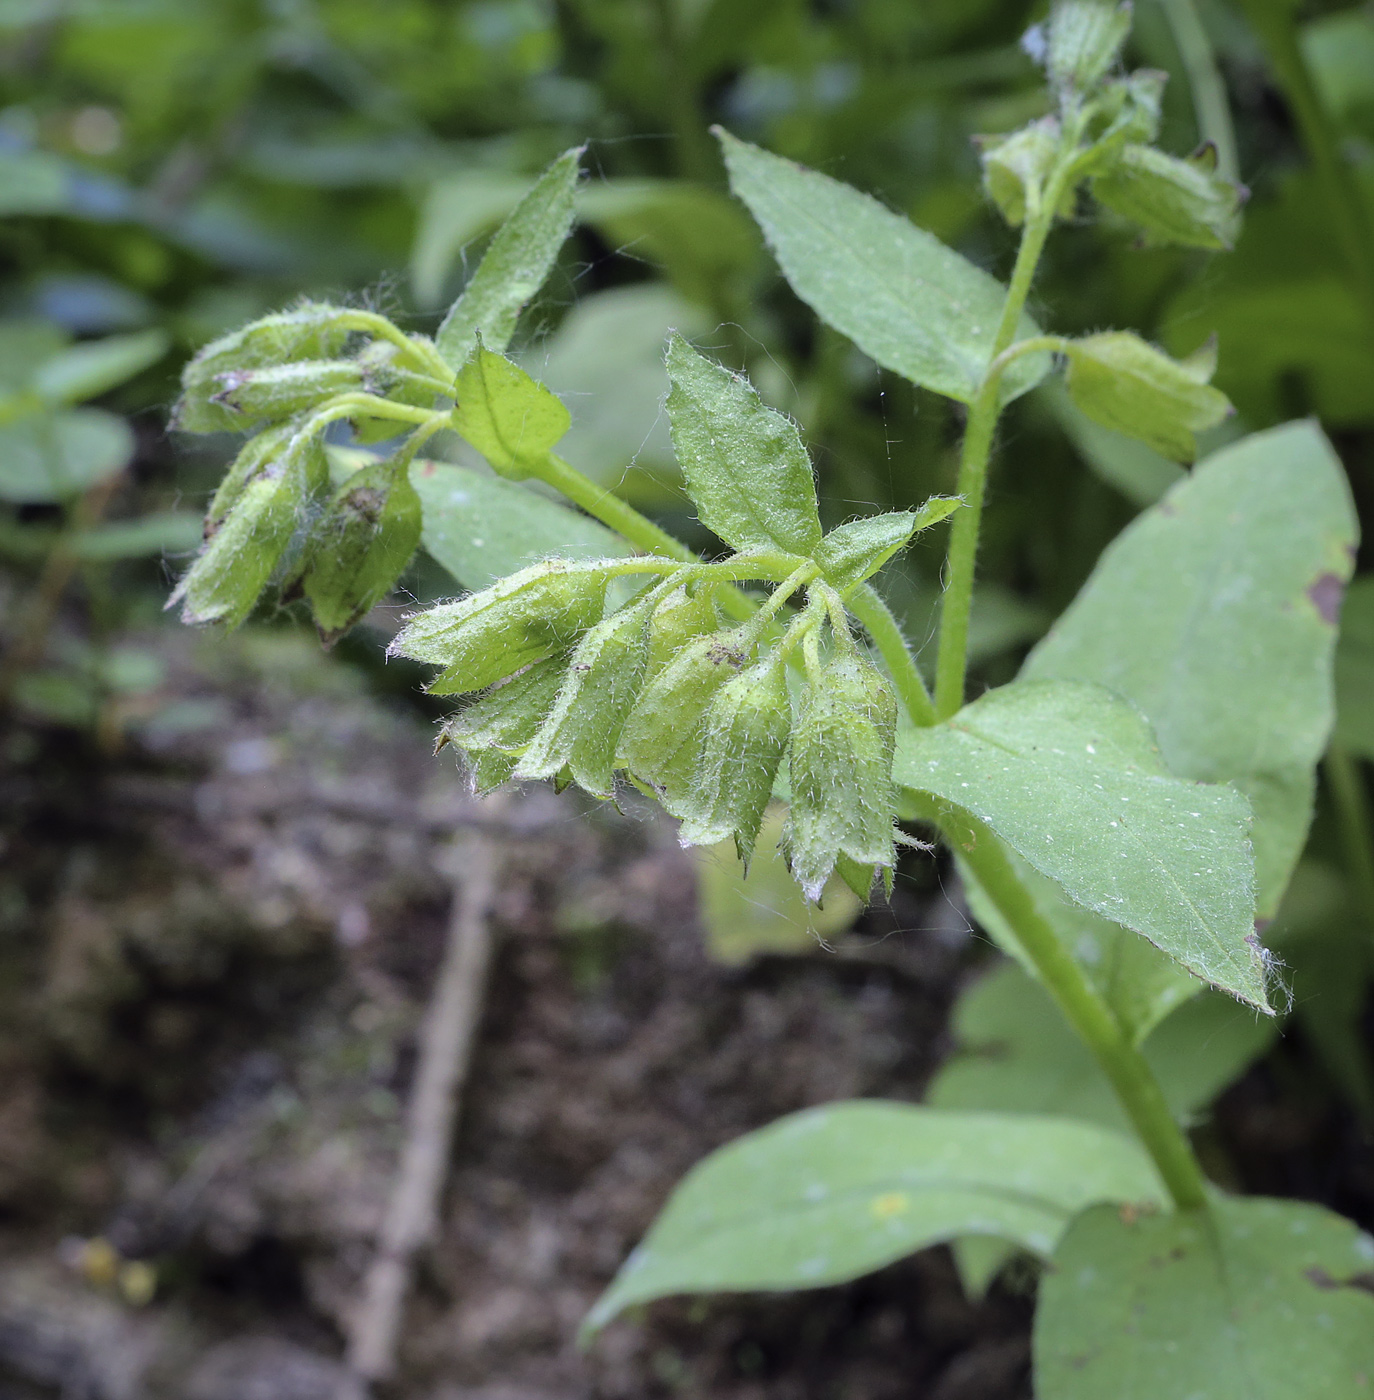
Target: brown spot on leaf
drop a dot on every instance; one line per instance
(1326, 592)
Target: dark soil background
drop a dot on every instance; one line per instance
(217, 943)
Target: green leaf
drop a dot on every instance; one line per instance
(1214, 613)
(1140, 984)
(745, 465)
(1355, 670)
(1126, 385)
(835, 1192)
(902, 296)
(1015, 1052)
(1245, 1300)
(46, 458)
(511, 419)
(1069, 775)
(515, 265)
(852, 552)
(85, 370)
(481, 528)
(758, 910)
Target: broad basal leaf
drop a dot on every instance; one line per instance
(1069, 776)
(1246, 1300)
(745, 465)
(900, 294)
(515, 264)
(1215, 613)
(511, 419)
(481, 528)
(834, 1192)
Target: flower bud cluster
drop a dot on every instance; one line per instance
(277, 516)
(710, 718)
(1102, 134)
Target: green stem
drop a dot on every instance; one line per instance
(1123, 1064)
(1344, 200)
(865, 603)
(951, 663)
(1210, 107)
(626, 521)
(1350, 797)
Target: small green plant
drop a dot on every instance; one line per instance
(1123, 812)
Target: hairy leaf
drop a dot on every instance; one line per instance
(1069, 776)
(900, 294)
(519, 258)
(511, 419)
(746, 469)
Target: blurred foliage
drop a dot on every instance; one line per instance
(169, 168)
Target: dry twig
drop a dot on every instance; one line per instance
(446, 1040)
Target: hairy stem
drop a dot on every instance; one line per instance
(866, 604)
(1125, 1067)
(1210, 107)
(951, 663)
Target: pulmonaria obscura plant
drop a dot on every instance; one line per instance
(1122, 814)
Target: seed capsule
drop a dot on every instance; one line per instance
(843, 802)
(315, 331)
(493, 730)
(746, 728)
(662, 740)
(519, 620)
(360, 546)
(239, 558)
(585, 723)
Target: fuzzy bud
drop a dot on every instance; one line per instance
(1016, 167)
(360, 546)
(1172, 200)
(584, 725)
(662, 740)
(275, 392)
(243, 552)
(1084, 40)
(518, 620)
(746, 730)
(680, 618)
(492, 731)
(315, 331)
(843, 801)
(1123, 383)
